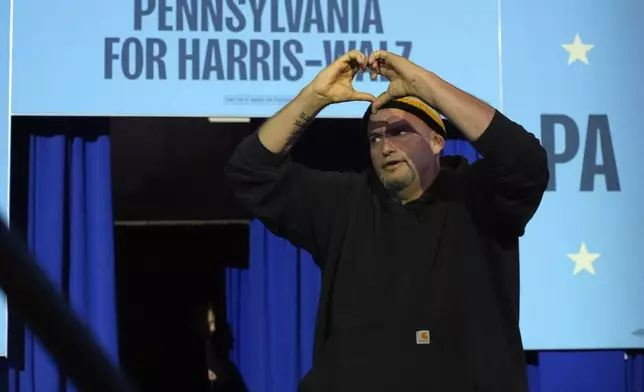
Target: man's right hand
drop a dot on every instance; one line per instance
(334, 84)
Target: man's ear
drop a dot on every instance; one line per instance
(437, 142)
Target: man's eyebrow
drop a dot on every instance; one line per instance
(382, 126)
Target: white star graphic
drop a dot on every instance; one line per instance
(583, 260)
(577, 50)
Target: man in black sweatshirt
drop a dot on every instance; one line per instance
(419, 254)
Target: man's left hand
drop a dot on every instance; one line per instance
(403, 75)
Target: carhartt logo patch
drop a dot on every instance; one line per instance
(422, 337)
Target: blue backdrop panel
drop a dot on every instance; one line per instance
(148, 57)
(572, 75)
(583, 371)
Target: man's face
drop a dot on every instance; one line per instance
(404, 149)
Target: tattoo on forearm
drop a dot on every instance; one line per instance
(302, 121)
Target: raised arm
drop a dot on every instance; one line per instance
(295, 202)
(513, 175)
(332, 85)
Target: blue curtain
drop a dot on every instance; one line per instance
(70, 231)
(271, 310)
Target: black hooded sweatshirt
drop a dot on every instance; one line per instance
(447, 264)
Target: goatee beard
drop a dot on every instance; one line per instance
(395, 185)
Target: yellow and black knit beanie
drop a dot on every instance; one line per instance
(423, 111)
